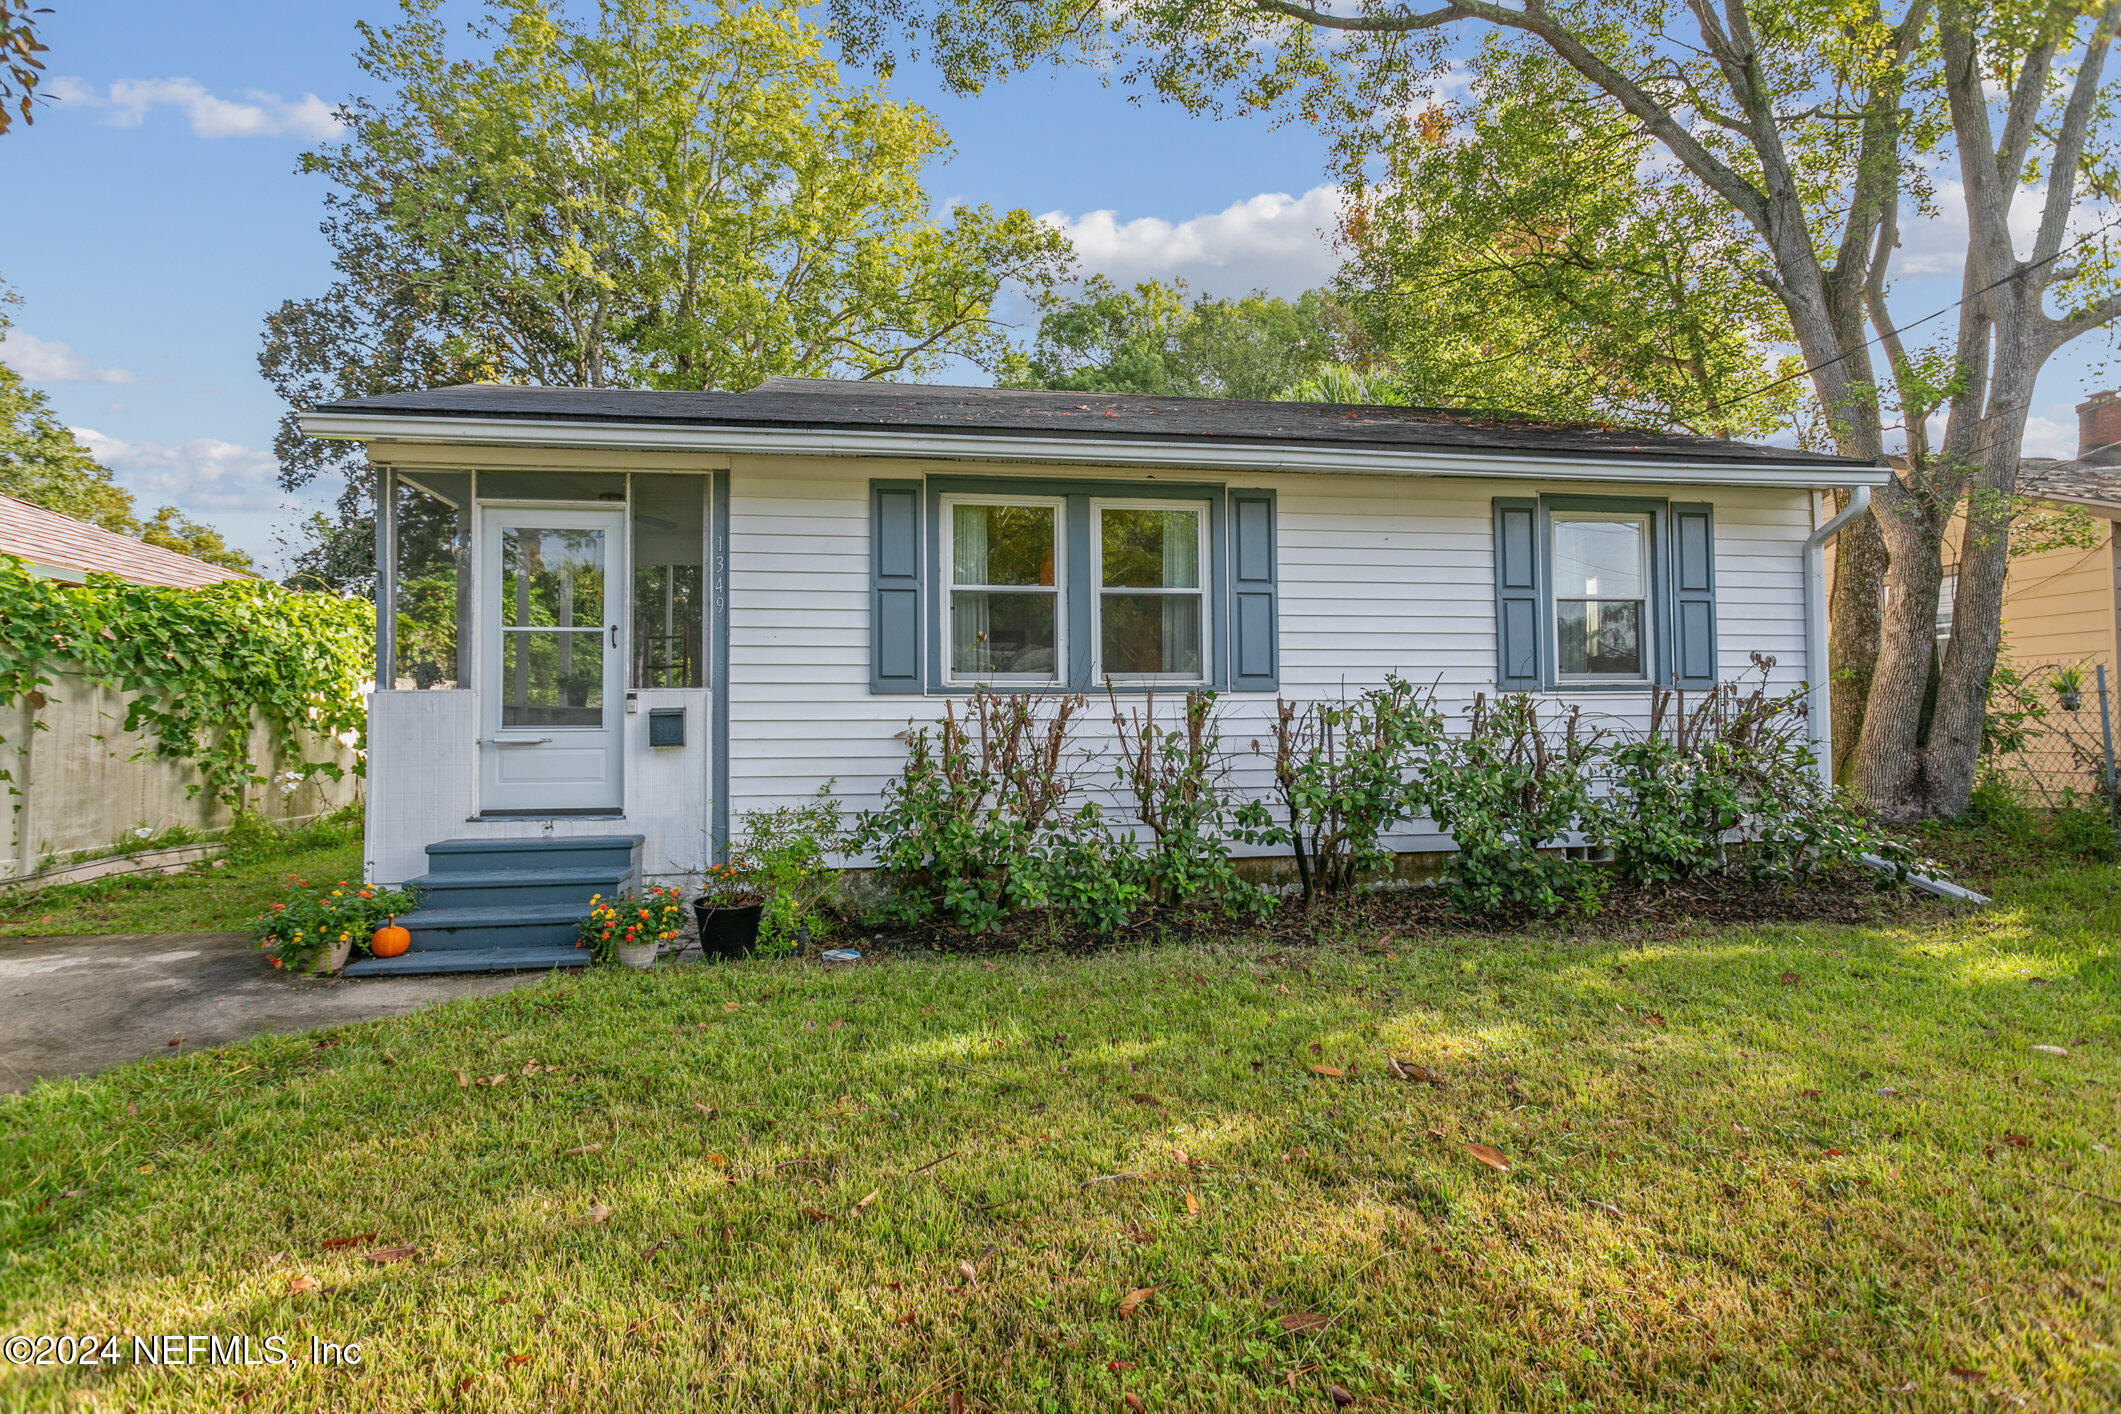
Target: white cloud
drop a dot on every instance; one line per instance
(1275, 242)
(2046, 437)
(203, 474)
(254, 113)
(49, 361)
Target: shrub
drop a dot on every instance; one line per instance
(964, 832)
(1177, 779)
(1506, 792)
(309, 918)
(783, 855)
(1341, 779)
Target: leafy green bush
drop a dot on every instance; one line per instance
(783, 854)
(1177, 779)
(1343, 775)
(1506, 792)
(964, 832)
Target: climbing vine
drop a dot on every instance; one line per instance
(199, 665)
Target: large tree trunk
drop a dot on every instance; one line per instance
(1856, 617)
(1889, 766)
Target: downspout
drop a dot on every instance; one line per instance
(1819, 701)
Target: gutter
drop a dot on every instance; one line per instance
(383, 429)
(1819, 699)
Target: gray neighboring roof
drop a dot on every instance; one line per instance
(2080, 482)
(831, 404)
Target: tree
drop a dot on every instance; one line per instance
(1521, 250)
(1152, 339)
(666, 195)
(43, 462)
(1819, 127)
(20, 68)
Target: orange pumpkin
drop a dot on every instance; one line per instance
(390, 940)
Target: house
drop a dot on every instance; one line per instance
(2062, 604)
(620, 621)
(68, 550)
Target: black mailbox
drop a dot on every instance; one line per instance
(666, 726)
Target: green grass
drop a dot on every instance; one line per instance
(1728, 1190)
(203, 899)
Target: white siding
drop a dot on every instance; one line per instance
(1377, 575)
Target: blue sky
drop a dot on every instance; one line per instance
(168, 219)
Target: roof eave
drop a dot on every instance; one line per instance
(376, 428)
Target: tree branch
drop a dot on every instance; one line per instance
(2084, 101)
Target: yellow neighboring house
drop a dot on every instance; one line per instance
(2063, 606)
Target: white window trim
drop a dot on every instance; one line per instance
(1555, 599)
(1199, 511)
(946, 568)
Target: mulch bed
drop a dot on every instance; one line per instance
(1413, 913)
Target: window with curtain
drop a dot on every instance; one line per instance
(1004, 607)
(1601, 595)
(1150, 593)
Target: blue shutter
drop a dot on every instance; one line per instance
(896, 600)
(1693, 561)
(1255, 650)
(1517, 589)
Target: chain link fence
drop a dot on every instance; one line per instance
(2052, 733)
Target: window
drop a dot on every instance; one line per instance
(1601, 578)
(1151, 609)
(430, 583)
(1003, 607)
(669, 580)
(1072, 583)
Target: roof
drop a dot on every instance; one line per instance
(54, 544)
(899, 415)
(2083, 483)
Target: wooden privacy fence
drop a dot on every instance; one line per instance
(83, 784)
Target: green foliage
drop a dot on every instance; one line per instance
(1506, 792)
(310, 918)
(200, 665)
(657, 194)
(655, 914)
(2077, 826)
(1154, 340)
(965, 831)
(20, 68)
(1342, 777)
(2014, 708)
(784, 855)
(1177, 778)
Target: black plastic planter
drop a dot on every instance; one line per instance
(727, 931)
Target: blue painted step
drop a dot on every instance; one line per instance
(543, 852)
(535, 924)
(497, 959)
(511, 888)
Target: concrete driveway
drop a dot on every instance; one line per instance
(75, 1006)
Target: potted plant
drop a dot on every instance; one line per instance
(2069, 687)
(317, 927)
(632, 928)
(728, 910)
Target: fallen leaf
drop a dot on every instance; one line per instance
(730, 1006)
(1134, 1401)
(598, 1213)
(334, 1244)
(648, 1252)
(581, 1149)
(297, 1285)
(387, 1255)
(1296, 1151)
(1653, 1018)
(174, 1041)
(519, 1359)
(902, 1320)
(1790, 979)
(530, 1067)
(1133, 1299)
(463, 1080)
(1967, 1375)
(1192, 1204)
(1401, 1069)
(1143, 1097)
(1492, 1157)
(1297, 1322)
(1339, 1396)
(718, 1161)
(1809, 1094)
(867, 1200)
(2042, 1050)
(1331, 1071)
(969, 1272)
(2018, 1141)
(957, 1402)
(1115, 1366)
(818, 1215)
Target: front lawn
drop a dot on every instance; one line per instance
(202, 899)
(1784, 1168)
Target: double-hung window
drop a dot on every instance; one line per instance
(1006, 565)
(1602, 619)
(1151, 604)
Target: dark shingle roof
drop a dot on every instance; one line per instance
(821, 403)
(2083, 482)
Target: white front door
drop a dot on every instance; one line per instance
(553, 588)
